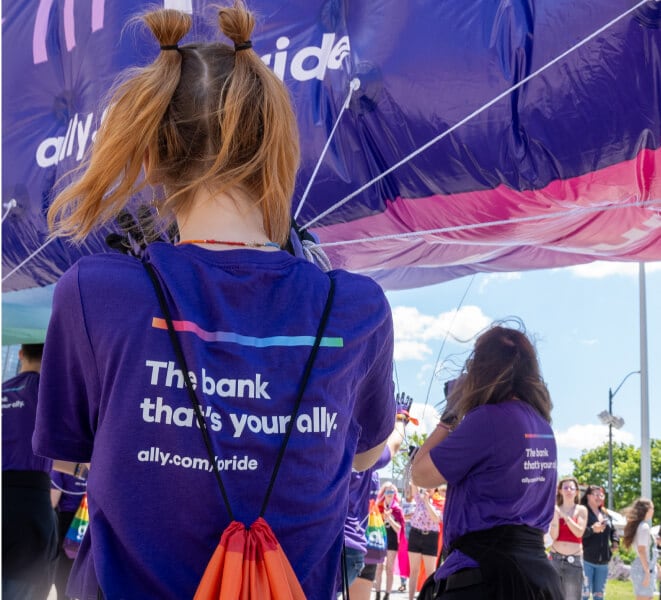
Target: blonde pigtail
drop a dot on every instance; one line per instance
(270, 172)
(128, 132)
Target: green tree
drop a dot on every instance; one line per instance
(591, 468)
(401, 460)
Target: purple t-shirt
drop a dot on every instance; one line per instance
(360, 489)
(247, 321)
(19, 407)
(72, 489)
(501, 467)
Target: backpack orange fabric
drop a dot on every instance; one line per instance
(249, 563)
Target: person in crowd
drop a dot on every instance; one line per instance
(566, 531)
(423, 537)
(393, 518)
(66, 494)
(364, 486)
(637, 535)
(658, 552)
(600, 539)
(408, 508)
(495, 449)
(29, 527)
(212, 130)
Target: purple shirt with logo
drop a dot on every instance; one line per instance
(361, 490)
(247, 320)
(501, 467)
(19, 408)
(72, 489)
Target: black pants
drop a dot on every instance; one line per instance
(29, 535)
(64, 563)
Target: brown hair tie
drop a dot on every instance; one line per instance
(170, 47)
(242, 46)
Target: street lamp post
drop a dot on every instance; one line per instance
(607, 418)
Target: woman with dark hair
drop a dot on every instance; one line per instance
(212, 129)
(566, 531)
(599, 540)
(637, 535)
(495, 449)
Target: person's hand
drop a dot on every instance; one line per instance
(598, 527)
(646, 579)
(403, 403)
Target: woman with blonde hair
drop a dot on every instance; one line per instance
(566, 531)
(637, 535)
(213, 128)
(393, 517)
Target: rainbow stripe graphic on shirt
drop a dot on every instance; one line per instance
(538, 435)
(246, 340)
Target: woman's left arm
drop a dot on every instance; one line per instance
(394, 522)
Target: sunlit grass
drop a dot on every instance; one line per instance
(619, 590)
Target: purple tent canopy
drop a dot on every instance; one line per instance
(481, 136)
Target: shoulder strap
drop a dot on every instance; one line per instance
(176, 344)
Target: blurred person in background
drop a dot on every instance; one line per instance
(566, 531)
(638, 535)
(29, 525)
(600, 540)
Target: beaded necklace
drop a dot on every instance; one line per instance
(268, 244)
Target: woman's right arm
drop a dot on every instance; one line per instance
(424, 472)
(643, 555)
(643, 551)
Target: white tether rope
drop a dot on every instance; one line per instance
(28, 259)
(11, 204)
(353, 86)
(473, 114)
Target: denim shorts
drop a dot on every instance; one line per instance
(637, 576)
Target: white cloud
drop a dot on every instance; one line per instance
(424, 373)
(495, 278)
(414, 330)
(428, 417)
(411, 350)
(587, 437)
(601, 269)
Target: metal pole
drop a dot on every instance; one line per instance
(645, 458)
(610, 450)
(611, 395)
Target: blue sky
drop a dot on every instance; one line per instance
(585, 323)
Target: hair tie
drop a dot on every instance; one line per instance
(170, 47)
(242, 46)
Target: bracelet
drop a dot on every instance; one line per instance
(445, 426)
(80, 471)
